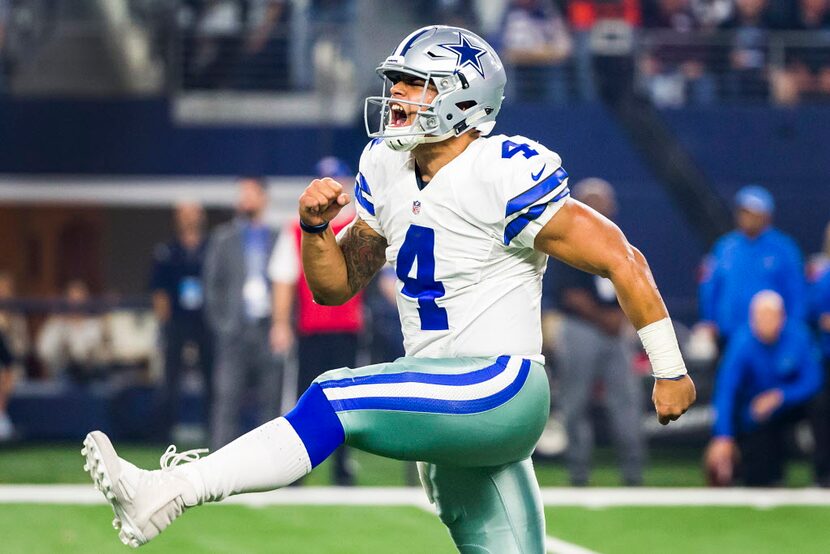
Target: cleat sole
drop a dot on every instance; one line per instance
(128, 533)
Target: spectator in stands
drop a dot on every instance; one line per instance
(457, 13)
(820, 316)
(536, 44)
(7, 379)
(592, 346)
(73, 345)
(711, 14)
(178, 302)
(238, 306)
(806, 74)
(768, 374)
(4, 18)
(748, 55)
(327, 336)
(675, 74)
(583, 16)
(13, 325)
(263, 64)
(754, 257)
(213, 42)
(326, 44)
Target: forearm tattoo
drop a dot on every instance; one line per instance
(365, 253)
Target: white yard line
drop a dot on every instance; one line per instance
(558, 546)
(414, 496)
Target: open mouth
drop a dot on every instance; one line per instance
(398, 116)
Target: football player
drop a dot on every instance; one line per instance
(467, 221)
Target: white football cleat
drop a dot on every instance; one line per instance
(144, 502)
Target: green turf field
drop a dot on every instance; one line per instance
(694, 530)
(34, 528)
(401, 530)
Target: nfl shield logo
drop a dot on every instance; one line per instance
(416, 207)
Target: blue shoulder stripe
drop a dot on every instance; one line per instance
(533, 194)
(361, 189)
(518, 225)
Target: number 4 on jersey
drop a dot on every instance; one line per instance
(510, 149)
(419, 245)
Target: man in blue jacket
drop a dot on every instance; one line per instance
(820, 312)
(753, 257)
(769, 371)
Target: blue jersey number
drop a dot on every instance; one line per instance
(510, 149)
(420, 244)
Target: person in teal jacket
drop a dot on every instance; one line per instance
(769, 372)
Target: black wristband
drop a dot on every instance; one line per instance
(314, 229)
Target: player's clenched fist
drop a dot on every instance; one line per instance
(321, 201)
(673, 398)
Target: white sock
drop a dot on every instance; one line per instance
(269, 457)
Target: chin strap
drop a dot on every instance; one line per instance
(409, 142)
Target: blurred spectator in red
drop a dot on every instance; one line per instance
(767, 376)
(13, 326)
(584, 14)
(73, 345)
(675, 73)
(178, 303)
(748, 57)
(806, 74)
(536, 45)
(583, 17)
(327, 336)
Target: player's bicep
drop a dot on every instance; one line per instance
(582, 238)
(364, 251)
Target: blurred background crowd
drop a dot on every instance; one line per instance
(147, 287)
(678, 52)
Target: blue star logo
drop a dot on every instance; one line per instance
(467, 53)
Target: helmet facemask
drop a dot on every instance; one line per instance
(466, 74)
(425, 124)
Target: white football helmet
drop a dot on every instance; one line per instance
(466, 71)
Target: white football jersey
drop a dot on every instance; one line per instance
(469, 280)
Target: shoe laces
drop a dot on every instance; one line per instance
(171, 458)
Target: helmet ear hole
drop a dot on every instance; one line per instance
(466, 105)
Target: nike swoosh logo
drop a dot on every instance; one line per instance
(536, 176)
